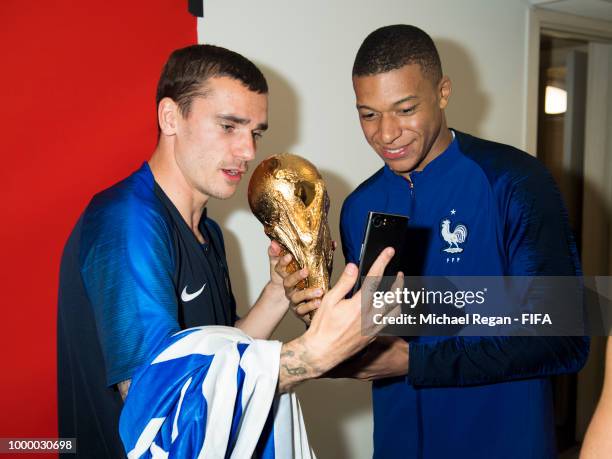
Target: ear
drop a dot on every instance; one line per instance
(444, 91)
(167, 114)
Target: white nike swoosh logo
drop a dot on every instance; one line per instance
(190, 296)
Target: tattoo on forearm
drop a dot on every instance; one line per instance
(295, 371)
(296, 365)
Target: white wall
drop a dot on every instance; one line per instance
(306, 50)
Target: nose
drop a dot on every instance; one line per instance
(247, 148)
(389, 129)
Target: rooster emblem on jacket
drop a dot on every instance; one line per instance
(453, 238)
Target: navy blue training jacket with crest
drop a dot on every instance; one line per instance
(472, 397)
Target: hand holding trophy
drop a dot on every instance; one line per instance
(288, 196)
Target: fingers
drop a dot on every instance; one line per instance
(291, 280)
(283, 262)
(381, 262)
(395, 309)
(281, 270)
(281, 266)
(376, 272)
(300, 296)
(304, 308)
(344, 285)
(397, 285)
(275, 249)
(370, 287)
(399, 281)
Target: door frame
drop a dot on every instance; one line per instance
(538, 21)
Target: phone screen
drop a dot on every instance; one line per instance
(383, 230)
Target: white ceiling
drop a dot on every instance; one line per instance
(595, 9)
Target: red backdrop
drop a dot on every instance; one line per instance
(78, 90)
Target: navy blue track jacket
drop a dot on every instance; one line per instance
(473, 397)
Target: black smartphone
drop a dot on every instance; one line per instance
(383, 230)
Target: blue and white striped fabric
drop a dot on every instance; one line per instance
(210, 392)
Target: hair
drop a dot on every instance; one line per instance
(188, 69)
(392, 47)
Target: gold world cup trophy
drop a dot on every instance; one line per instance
(287, 194)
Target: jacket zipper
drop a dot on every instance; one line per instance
(411, 184)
